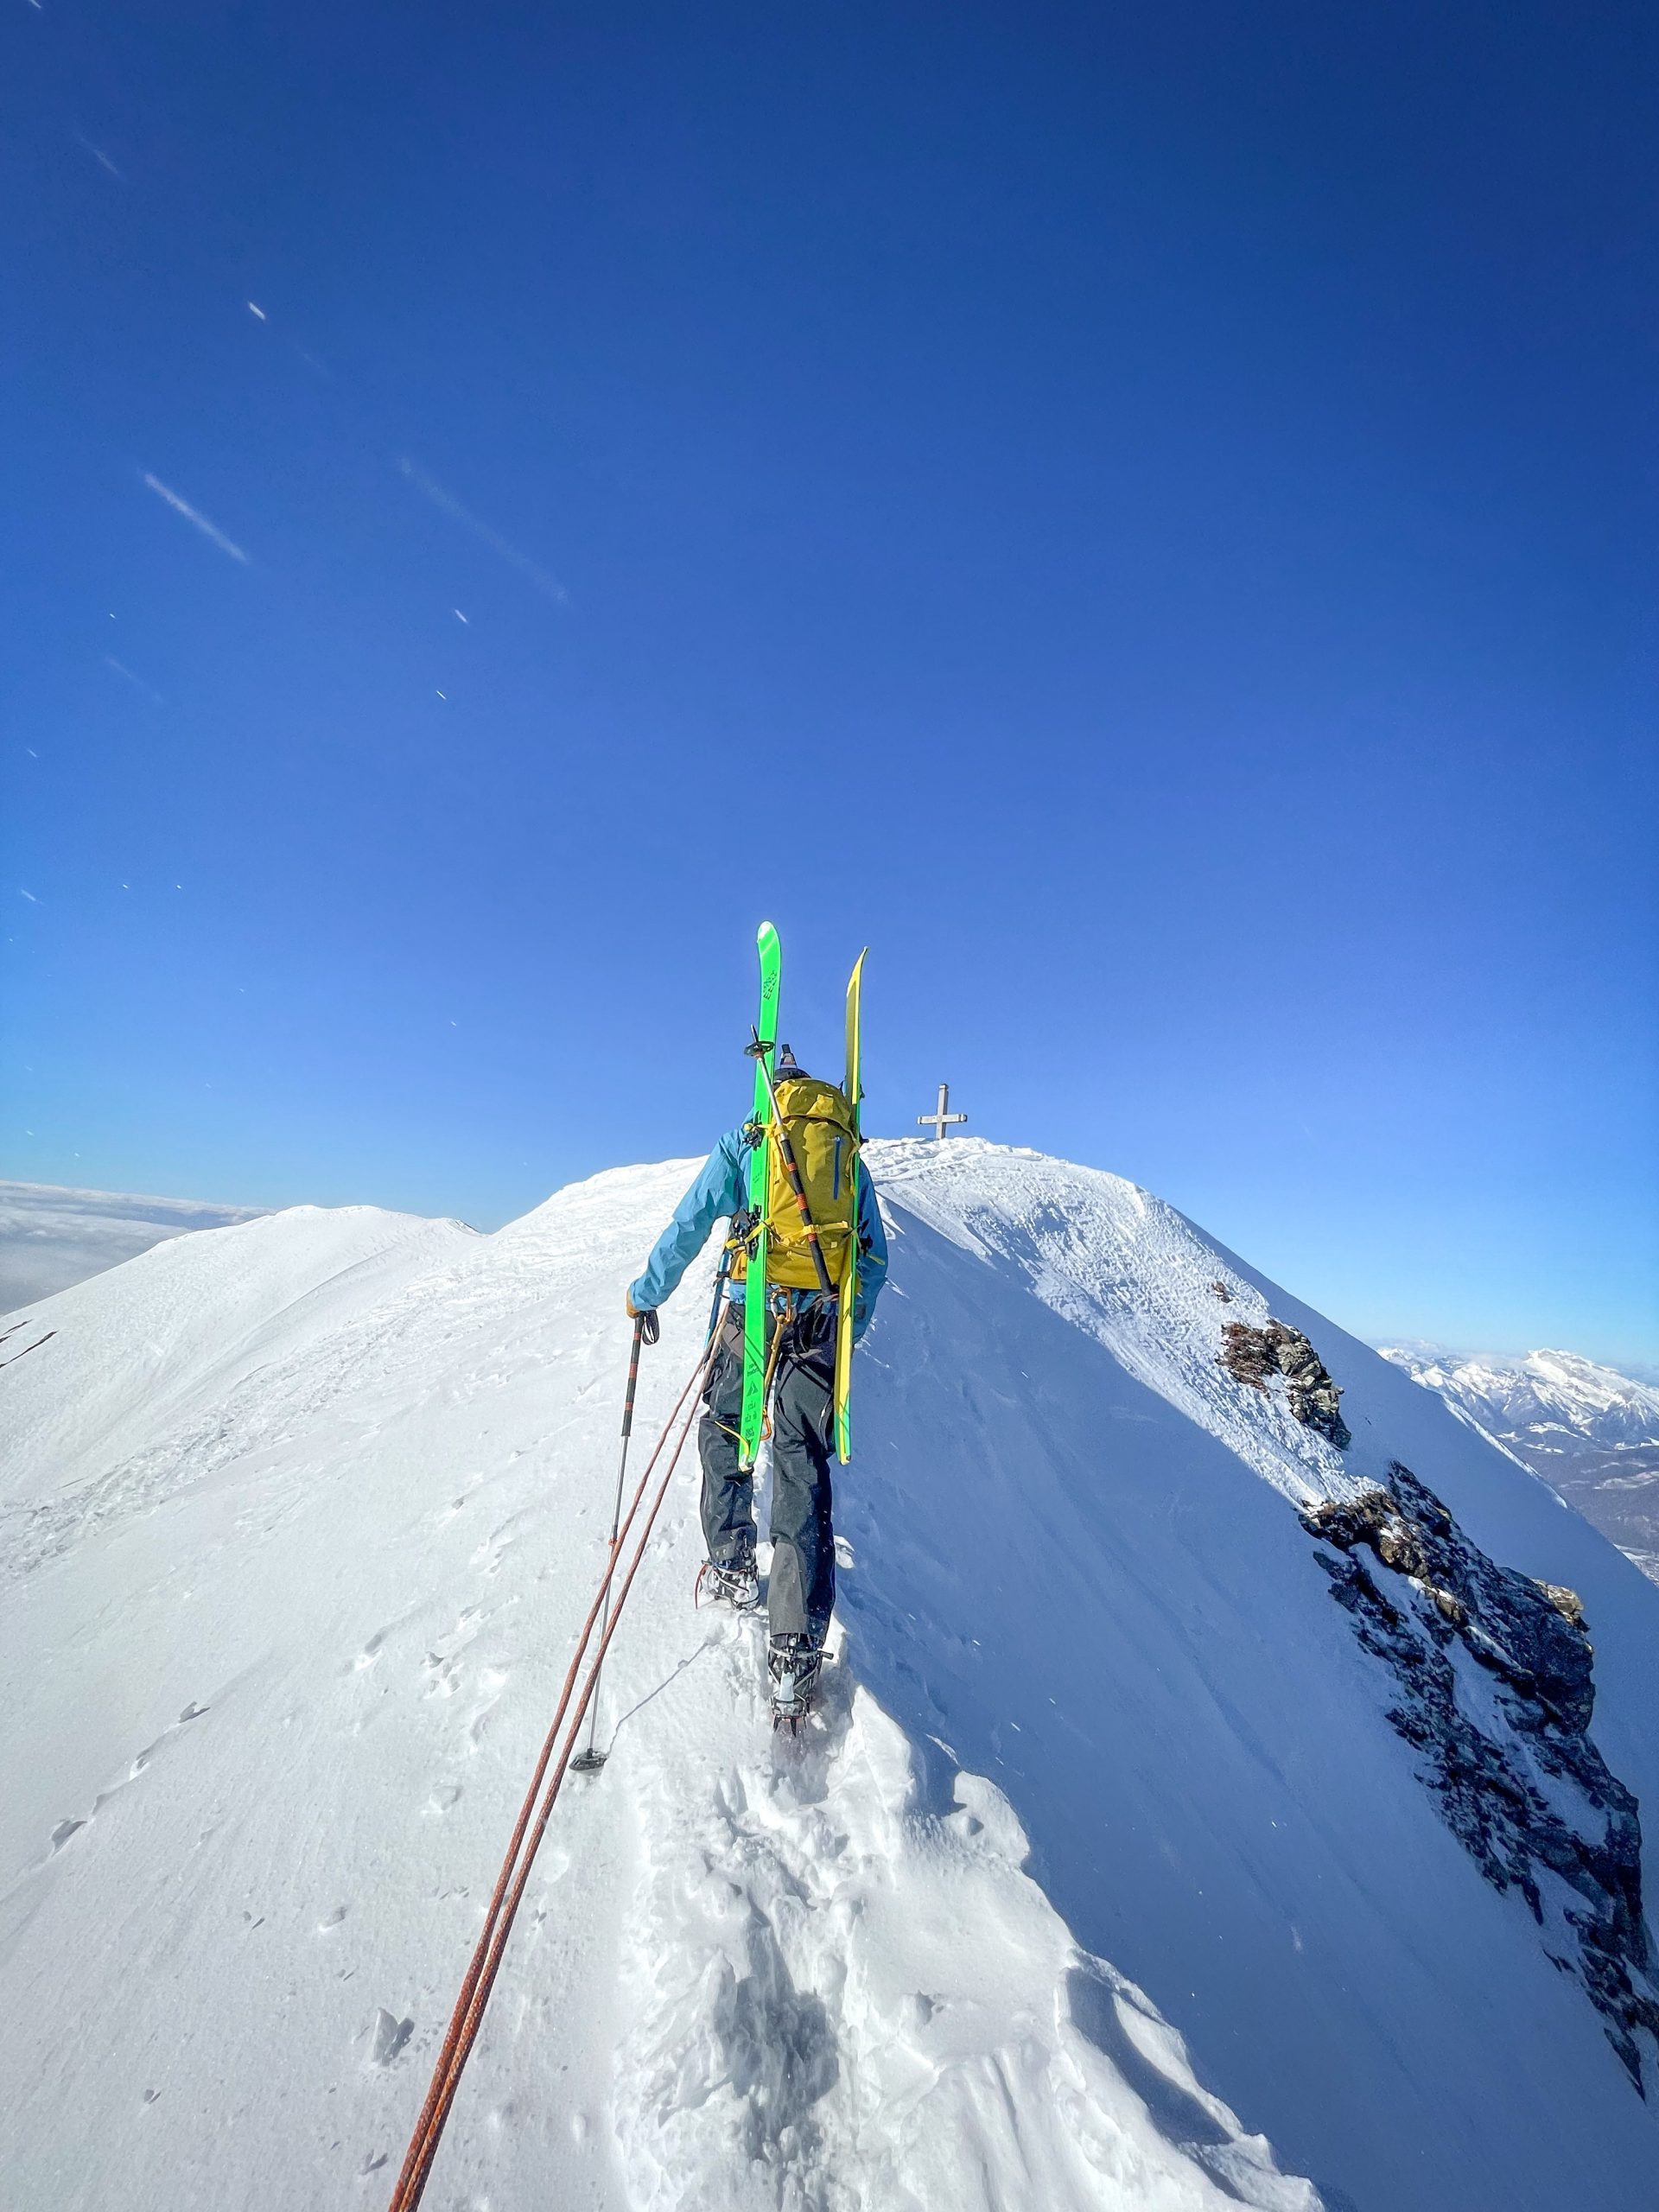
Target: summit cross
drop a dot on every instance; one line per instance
(940, 1119)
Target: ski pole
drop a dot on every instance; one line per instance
(721, 1274)
(646, 1330)
(757, 1051)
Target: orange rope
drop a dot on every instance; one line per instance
(481, 1974)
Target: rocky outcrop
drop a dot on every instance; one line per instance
(1250, 1356)
(1494, 1687)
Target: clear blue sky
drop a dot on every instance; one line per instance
(1145, 515)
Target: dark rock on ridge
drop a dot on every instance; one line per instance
(1519, 1780)
(1251, 1355)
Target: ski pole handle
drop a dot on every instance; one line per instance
(646, 1330)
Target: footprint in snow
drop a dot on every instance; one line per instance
(331, 1920)
(390, 2036)
(192, 1711)
(444, 1798)
(490, 1553)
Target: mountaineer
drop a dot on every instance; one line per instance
(813, 1191)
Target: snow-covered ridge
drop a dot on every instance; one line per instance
(323, 1498)
(1126, 1269)
(52, 1236)
(204, 1342)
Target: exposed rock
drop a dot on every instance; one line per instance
(1567, 1603)
(1251, 1355)
(1221, 1290)
(1520, 1782)
(1248, 1355)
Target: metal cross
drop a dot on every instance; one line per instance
(941, 1119)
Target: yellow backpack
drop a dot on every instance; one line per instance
(824, 1141)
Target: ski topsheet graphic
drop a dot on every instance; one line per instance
(854, 1090)
(754, 1287)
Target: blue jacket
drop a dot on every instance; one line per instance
(723, 1189)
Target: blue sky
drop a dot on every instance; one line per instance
(1144, 516)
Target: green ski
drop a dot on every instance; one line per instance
(754, 1289)
(854, 1090)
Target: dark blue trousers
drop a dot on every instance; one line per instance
(801, 1589)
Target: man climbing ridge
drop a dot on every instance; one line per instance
(804, 1264)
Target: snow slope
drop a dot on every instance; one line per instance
(51, 1237)
(299, 1520)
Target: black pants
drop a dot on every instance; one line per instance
(801, 1589)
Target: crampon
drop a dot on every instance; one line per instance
(793, 1662)
(737, 1585)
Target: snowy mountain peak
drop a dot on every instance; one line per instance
(1121, 1873)
(1541, 1390)
(1591, 1432)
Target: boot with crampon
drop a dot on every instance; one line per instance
(730, 1582)
(794, 1663)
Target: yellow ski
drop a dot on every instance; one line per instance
(855, 1092)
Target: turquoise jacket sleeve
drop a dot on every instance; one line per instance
(721, 1189)
(718, 1191)
(872, 1254)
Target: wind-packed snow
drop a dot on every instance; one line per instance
(1104, 1872)
(51, 1237)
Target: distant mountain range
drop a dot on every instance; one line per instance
(1591, 1433)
